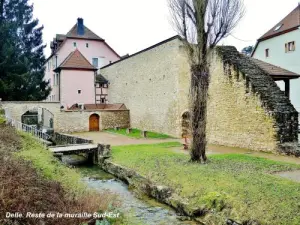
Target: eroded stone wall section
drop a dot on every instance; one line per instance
(247, 104)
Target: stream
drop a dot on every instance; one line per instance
(145, 210)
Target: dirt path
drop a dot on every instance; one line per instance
(116, 139)
(215, 149)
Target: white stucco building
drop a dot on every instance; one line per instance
(280, 46)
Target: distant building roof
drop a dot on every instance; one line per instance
(88, 34)
(78, 31)
(75, 60)
(96, 107)
(287, 24)
(274, 71)
(100, 79)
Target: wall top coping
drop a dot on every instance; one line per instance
(100, 110)
(262, 83)
(29, 102)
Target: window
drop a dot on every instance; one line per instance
(53, 62)
(95, 62)
(87, 45)
(48, 66)
(105, 85)
(57, 79)
(74, 43)
(267, 52)
(290, 47)
(54, 82)
(79, 92)
(102, 100)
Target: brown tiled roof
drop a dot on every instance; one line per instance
(274, 71)
(75, 60)
(73, 33)
(60, 37)
(88, 34)
(289, 23)
(100, 107)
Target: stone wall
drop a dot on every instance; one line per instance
(15, 109)
(245, 107)
(147, 83)
(70, 121)
(110, 119)
(65, 139)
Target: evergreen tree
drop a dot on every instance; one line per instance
(21, 53)
(248, 50)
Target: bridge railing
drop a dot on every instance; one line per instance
(67, 139)
(32, 129)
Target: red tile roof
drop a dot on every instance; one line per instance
(289, 23)
(75, 60)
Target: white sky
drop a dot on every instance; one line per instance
(132, 25)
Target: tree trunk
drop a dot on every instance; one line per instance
(199, 94)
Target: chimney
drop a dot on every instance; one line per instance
(80, 27)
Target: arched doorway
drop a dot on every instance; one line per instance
(185, 124)
(30, 118)
(94, 122)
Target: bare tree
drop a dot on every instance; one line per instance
(202, 24)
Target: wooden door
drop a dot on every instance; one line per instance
(94, 122)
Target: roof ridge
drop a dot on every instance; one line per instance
(74, 61)
(287, 23)
(67, 58)
(84, 57)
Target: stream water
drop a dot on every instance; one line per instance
(145, 210)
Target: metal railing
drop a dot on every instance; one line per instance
(32, 129)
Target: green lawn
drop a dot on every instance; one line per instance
(240, 187)
(136, 133)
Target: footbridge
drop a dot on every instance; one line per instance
(74, 149)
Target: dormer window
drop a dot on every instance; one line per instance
(278, 27)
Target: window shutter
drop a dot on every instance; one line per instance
(286, 48)
(294, 45)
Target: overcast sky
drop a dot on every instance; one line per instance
(132, 25)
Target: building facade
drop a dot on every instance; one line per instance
(280, 46)
(76, 86)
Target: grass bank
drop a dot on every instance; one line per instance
(236, 186)
(32, 180)
(136, 133)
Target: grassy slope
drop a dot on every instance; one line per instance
(236, 186)
(137, 134)
(50, 167)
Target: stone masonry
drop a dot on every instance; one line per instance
(245, 107)
(274, 119)
(70, 121)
